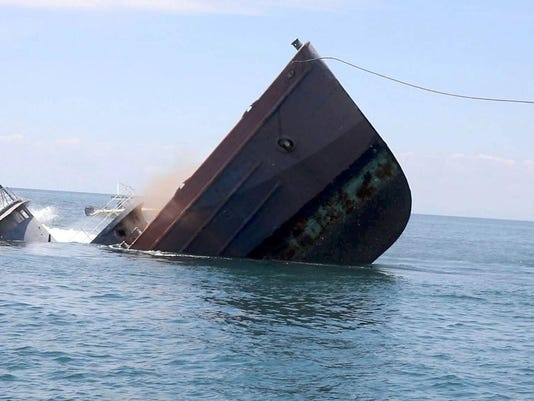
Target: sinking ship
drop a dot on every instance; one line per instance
(17, 223)
(122, 218)
(302, 177)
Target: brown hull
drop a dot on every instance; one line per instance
(303, 177)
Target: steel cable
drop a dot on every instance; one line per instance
(489, 99)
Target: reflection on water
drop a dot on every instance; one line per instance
(308, 296)
(441, 316)
(12, 244)
(267, 330)
(248, 293)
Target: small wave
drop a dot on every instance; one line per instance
(46, 214)
(70, 235)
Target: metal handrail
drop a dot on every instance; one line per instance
(7, 197)
(119, 201)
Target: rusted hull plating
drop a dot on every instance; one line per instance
(303, 176)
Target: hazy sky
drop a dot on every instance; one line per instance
(98, 92)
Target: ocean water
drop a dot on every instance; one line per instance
(447, 313)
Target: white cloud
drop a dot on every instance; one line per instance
(496, 159)
(69, 141)
(15, 138)
(179, 6)
(457, 155)
(482, 157)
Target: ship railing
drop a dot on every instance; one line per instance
(127, 244)
(7, 197)
(118, 202)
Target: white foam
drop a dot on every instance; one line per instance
(46, 214)
(70, 235)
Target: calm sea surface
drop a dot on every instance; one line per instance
(447, 313)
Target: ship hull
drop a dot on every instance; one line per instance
(124, 228)
(303, 176)
(18, 224)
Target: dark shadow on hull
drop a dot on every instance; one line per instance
(303, 176)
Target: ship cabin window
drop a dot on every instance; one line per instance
(21, 215)
(19, 218)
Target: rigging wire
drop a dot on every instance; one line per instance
(489, 99)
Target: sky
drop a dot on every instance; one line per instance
(93, 93)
